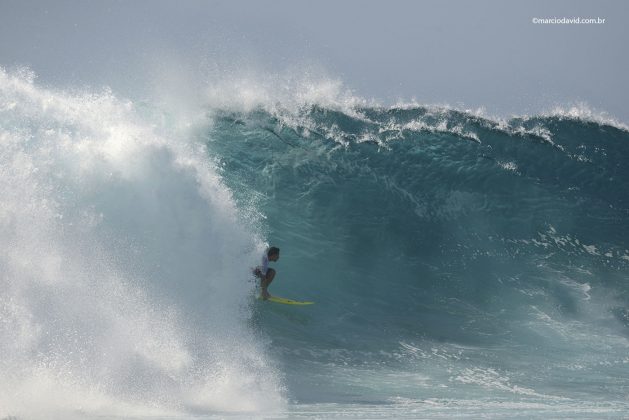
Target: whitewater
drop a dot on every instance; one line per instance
(462, 264)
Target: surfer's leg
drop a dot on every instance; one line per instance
(266, 281)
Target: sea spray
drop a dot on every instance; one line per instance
(124, 266)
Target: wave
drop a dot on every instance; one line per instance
(456, 259)
(481, 242)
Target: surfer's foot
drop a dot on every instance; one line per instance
(265, 295)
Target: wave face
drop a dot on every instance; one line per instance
(459, 263)
(123, 266)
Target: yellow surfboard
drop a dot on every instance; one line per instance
(285, 301)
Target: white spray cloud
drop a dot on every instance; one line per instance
(123, 265)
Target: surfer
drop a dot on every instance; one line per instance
(264, 273)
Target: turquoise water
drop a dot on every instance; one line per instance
(461, 264)
(453, 258)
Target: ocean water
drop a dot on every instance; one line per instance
(462, 265)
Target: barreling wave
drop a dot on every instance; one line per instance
(458, 261)
(445, 248)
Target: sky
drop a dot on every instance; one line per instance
(467, 54)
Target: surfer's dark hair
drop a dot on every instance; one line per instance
(273, 251)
